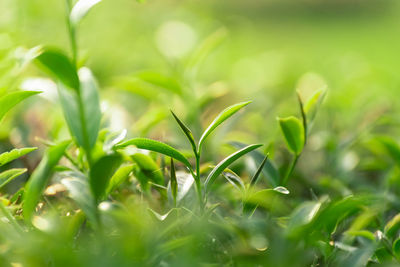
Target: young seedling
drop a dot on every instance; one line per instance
(295, 131)
(169, 151)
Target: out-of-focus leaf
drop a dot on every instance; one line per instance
(156, 146)
(8, 101)
(205, 48)
(8, 175)
(234, 179)
(396, 248)
(119, 177)
(58, 65)
(80, 9)
(293, 132)
(186, 131)
(391, 146)
(363, 233)
(101, 173)
(79, 190)
(161, 80)
(148, 167)
(40, 177)
(313, 103)
(303, 215)
(393, 226)
(7, 157)
(269, 170)
(265, 198)
(223, 116)
(82, 110)
(225, 163)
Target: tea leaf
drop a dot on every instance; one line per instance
(293, 132)
(156, 146)
(8, 101)
(9, 175)
(234, 179)
(313, 103)
(7, 157)
(119, 177)
(393, 226)
(396, 248)
(79, 190)
(186, 131)
(58, 65)
(223, 116)
(225, 163)
(160, 80)
(101, 173)
(40, 177)
(269, 170)
(254, 179)
(149, 168)
(80, 9)
(82, 110)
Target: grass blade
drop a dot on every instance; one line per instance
(226, 162)
(223, 116)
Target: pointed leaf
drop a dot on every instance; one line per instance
(223, 116)
(101, 173)
(313, 103)
(119, 177)
(149, 168)
(186, 131)
(7, 157)
(234, 179)
(269, 170)
(82, 110)
(80, 9)
(225, 163)
(40, 177)
(293, 132)
(58, 65)
(254, 179)
(156, 146)
(393, 226)
(9, 175)
(8, 101)
(79, 190)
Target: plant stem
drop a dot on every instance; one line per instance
(72, 34)
(290, 170)
(198, 183)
